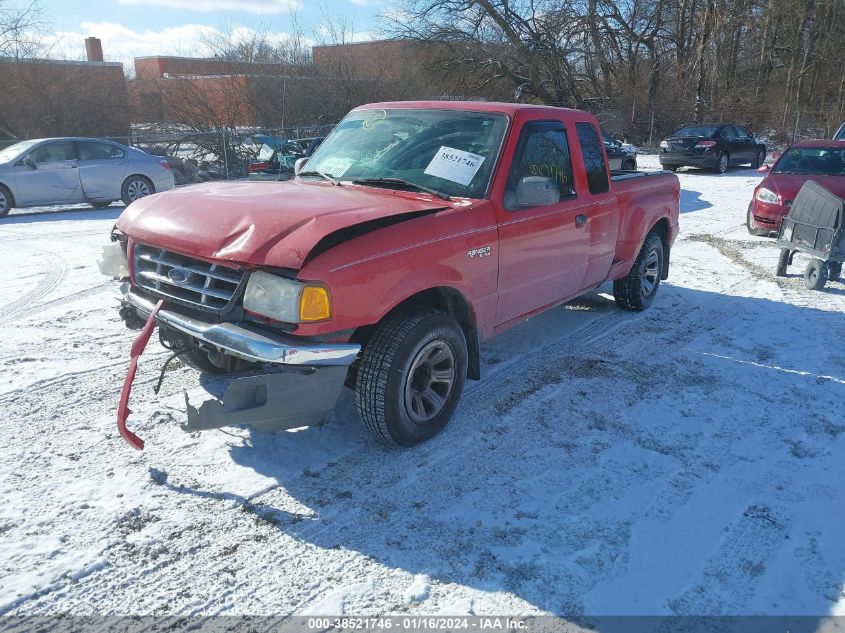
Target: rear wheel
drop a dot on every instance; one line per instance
(629, 165)
(410, 377)
(759, 159)
(752, 226)
(834, 271)
(672, 167)
(6, 201)
(637, 289)
(136, 187)
(815, 275)
(722, 163)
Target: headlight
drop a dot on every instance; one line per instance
(664, 145)
(767, 195)
(113, 261)
(285, 299)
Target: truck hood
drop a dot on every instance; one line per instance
(272, 224)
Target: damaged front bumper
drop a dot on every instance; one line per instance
(299, 387)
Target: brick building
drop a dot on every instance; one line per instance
(45, 97)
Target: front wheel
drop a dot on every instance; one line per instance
(5, 201)
(759, 159)
(134, 188)
(637, 289)
(752, 226)
(411, 376)
(834, 271)
(629, 165)
(815, 275)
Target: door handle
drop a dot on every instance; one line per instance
(581, 219)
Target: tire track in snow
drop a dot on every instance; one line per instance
(51, 280)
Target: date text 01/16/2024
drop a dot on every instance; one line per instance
(421, 623)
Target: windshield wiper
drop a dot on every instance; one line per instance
(334, 181)
(399, 182)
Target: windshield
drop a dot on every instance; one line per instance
(697, 131)
(13, 150)
(812, 160)
(840, 134)
(450, 151)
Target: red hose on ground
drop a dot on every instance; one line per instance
(138, 347)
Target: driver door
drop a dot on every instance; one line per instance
(543, 250)
(53, 178)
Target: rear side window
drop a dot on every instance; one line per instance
(591, 148)
(95, 151)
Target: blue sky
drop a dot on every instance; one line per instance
(135, 28)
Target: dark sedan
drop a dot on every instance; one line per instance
(713, 146)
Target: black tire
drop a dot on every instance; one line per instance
(394, 376)
(134, 188)
(673, 168)
(629, 165)
(759, 159)
(834, 271)
(723, 162)
(6, 201)
(815, 275)
(636, 290)
(102, 204)
(783, 262)
(752, 227)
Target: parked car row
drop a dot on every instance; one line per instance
(77, 170)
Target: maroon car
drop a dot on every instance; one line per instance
(822, 161)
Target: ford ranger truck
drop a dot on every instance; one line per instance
(416, 231)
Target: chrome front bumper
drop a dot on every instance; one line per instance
(246, 343)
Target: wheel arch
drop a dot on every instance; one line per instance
(445, 299)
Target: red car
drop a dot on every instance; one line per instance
(415, 231)
(822, 161)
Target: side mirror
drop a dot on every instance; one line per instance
(30, 163)
(762, 169)
(537, 191)
(299, 164)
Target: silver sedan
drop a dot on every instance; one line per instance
(78, 170)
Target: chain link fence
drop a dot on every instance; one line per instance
(777, 126)
(207, 154)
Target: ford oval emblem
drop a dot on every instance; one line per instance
(178, 275)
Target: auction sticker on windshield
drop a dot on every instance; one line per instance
(336, 167)
(455, 165)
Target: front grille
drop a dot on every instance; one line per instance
(186, 280)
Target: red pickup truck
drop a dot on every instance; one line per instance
(415, 231)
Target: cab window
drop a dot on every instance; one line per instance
(542, 152)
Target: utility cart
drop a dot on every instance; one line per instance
(815, 225)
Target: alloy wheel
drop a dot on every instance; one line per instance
(137, 189)
(651, 272)
(430, 381)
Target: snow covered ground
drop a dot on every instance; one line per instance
(686, 460)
